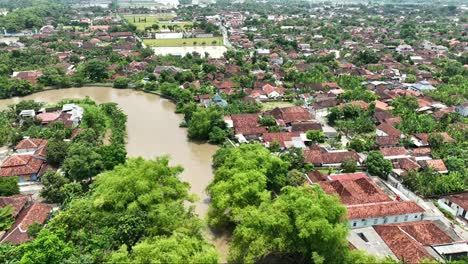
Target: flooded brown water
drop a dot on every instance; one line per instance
(153, 130)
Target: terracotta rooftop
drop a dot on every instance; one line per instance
(359, 103)
(408, 164)
(17, 165)
(387, 141)
(318, 157)
(404, 247)
(422, 152)
(392, 208)
(317, 176)
(460, 199)
(280, 137)
(389, 130)
(17, 201)
(31, 143)
(291, 114)
(48, 117)
(393, 151)
(355, 191)
(305, 126)
(437, 164)
(36, 213)
(407, 240)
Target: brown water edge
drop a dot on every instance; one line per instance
(153, 130)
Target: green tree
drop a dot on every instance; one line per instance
(48, 247)
(6, 217)
(9, 186)
(349, 165)
(56, 151)
(53, 190)
(296, 178)
(204, 120)
(34, 229)
(96, 70)
(82, 162)
(121, 82)
(267, 120)
(244, 178)
(378, 165)
(302, 224)
(316, 136)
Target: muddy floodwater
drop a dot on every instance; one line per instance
(153, 130)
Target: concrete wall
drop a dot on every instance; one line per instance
(453, 208)
(360, 223)
(172, 35)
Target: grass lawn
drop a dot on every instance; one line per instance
(180, 42)
(271, 105)
(141, 24)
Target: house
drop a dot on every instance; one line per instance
(421, 87)
(386, 129)
(32, 145)
(387, 141)
(393, 153)
(246, 126)
(363, 215)
(30, 76)
(285, 139)
(217, 100)
(404, 49)
(359, 189)
(322, 158)
(414, 242)
(462, 109)
(35, 213)
(422, 139)
(28, 167)
(288, 115)
(437, 164)
(456, 204)
(171, 69)
(403, 166)
(305, 126)
(273, 92)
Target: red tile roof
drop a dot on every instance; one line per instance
(31, 143)
(319, 158)
(387, 141)
(422, 152)
(280, 137)
(389, 130)
(317, 176)
(408, 164)
(18, 165)
(305, 126)
(48, 117)
(355, 191)
(291, 114)
(17, 201)
(36, 213)
(393, 151)
(460, 199)
(393, 208)
(404, 247)
(437, 164)
(359, 103)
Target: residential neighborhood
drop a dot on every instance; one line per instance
(233, 131)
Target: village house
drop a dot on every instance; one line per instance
(285, 116)
(285, 139)
(30, 76)
(25, 213)
(28, 167)
(456, 204)
(246, 126)
(321, 157)
(394, 153)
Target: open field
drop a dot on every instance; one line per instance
(272, 105)
(215, 41)
(143, 21)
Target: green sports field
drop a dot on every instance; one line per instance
(215, 41)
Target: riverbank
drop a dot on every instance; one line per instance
(152, 131)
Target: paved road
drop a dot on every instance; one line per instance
(227, 43)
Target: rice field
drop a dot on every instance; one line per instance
(215, 41)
